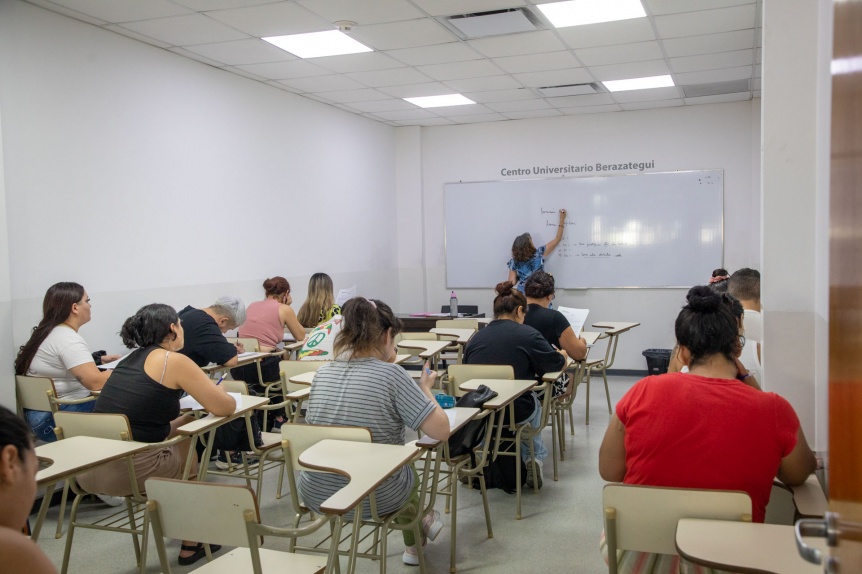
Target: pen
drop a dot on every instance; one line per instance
(221, 379)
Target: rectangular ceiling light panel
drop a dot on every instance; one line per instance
(638, 83)
(318, 44)
(581, 12)
(440, 101)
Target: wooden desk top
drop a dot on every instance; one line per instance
(302, 378)
(431, 348)
(245, 360)
(76, 454)
(458, 417)
(590, 337)
(809, 498)
(293, 345)
(245, 404)
(463, 335)
(507, 390)
(554, 375)
(744, 545)
(615, 327)
(366, 464)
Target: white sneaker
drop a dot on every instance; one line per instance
(432, 525)
(530, 478)
(111, 500)
(410, 557)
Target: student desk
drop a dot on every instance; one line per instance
(590, 337)
(462, 337)
(243, 359)
(458, 417)
(209, 423)
(72, 456)
(307, 377)
(292, 348)
(430, 349)
(507, 390)
(809, 499)
(615, 327)
(744, 546)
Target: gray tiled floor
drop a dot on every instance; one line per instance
(558, 533)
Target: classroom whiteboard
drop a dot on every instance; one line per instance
(640, 230)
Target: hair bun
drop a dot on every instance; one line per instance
(702, 299)
(504, 289)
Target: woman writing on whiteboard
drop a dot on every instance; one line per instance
(526, 259)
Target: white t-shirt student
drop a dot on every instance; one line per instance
(63, 349)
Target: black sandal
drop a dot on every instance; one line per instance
(199, 552)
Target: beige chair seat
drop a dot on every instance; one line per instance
(239, 560)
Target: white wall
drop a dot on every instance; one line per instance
(706, 136)
(147, 176)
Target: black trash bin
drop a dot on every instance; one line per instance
(657, 360)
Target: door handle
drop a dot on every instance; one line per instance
(818, 528)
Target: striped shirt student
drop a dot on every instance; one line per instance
(365, 393)
(363, 388)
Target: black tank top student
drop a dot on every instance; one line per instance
(149, 405)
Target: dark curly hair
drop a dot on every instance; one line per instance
(523, 248)
(508, 299)
(539, 284)
(707, 325)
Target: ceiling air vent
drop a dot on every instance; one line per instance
(569, 90)
(492, 23)
(716, 88)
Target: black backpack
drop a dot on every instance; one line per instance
(500, 472)
(471, 434)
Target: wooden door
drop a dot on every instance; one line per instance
(845, 313)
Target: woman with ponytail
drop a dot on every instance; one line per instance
(706, 428)
(56, 350)
(146, 387)
(362, 387)
(507, 341)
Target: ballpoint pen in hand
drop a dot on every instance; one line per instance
(221, 379)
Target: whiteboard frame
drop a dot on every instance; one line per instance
(704, 170)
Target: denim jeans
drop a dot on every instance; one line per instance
(42, 422)
(538, 444)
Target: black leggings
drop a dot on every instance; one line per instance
(248, 374)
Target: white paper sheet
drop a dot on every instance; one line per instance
(344, 295)
(576, 317)
(113, 364)
(189, 402)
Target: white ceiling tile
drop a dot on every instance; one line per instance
(483, 84)
(414, 114)
(706, 22)
(68, 12)
(323, 83)
(709, 43)
(280, 86)
(417, 90)
(660, 7)
(453, 111)
(608, 33)
(632, 70)
(620, 53)
(454, 7)
(407, 34)
(519, 105)
(206, 5)
(192, 56)
(363, 62)
(554, 78)
(387, 105)
(646, 95)
(125, 10)
(712, 61)
(354, 97)
(438, 54)
(393, 77)
(316, 98)
(537, 62)
(518, 44)
(275, 19)
(591, 110)
(237, 52)
(478, 119)
(738, 97)
(362, 12)
(185, 30)
(285, 70)
(132, 34)
(500, 95)
(532, 114)
(586, 100)
(458, 70)
(436, 121)
(709, 76)
(649, 105)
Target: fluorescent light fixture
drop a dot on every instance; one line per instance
(318, 44)
(639, 83)
(846, 66)
(440, 101)
(580, 12)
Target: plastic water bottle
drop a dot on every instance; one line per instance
(453, 305)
